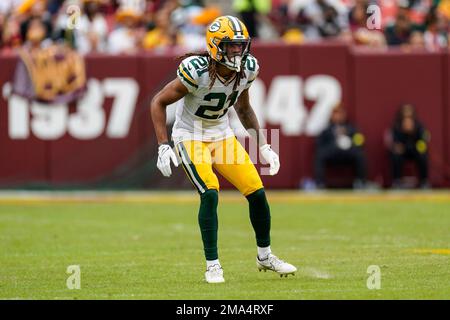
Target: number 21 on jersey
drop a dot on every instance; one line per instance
(220, 108)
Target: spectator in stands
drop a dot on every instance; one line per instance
(128, 34)
(34, 9)
(286, 21)
(10, 33)
(324, 19)
(10, 36)
(419, 10)
(189, 22)
(162, 34)
(399, 33)
(279, 15)
(388, 10)
(53, 6)
(416, 40)
(436, 34)
(121, 25)
(92, 30)
(361, 35)
(408, 141)
(251, 12)
(88, 32)
(357, 16)
(36, 37)
(340, 142)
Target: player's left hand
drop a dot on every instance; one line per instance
(271, 157)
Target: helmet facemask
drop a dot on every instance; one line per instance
(236, 61)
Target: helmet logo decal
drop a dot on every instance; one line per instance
(215, 26)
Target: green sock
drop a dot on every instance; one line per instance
(207, 219)
(260, 217)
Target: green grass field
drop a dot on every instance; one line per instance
(148, 247)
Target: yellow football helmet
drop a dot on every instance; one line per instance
(225, 30)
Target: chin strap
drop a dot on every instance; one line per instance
(233, 65)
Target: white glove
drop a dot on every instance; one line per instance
(165, 154)
(271, 157)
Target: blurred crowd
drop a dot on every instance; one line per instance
(129, 26)
(410, 24)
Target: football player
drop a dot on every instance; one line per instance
(211, 83)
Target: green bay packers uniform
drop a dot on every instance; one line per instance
(204, 141)
(202, 133)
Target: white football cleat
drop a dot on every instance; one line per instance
(275, 264)
(214, 274)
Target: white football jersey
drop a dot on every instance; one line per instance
(204, 113)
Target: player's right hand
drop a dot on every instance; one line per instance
(271, 157)
(165, 154)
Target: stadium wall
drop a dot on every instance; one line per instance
(107, 139)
